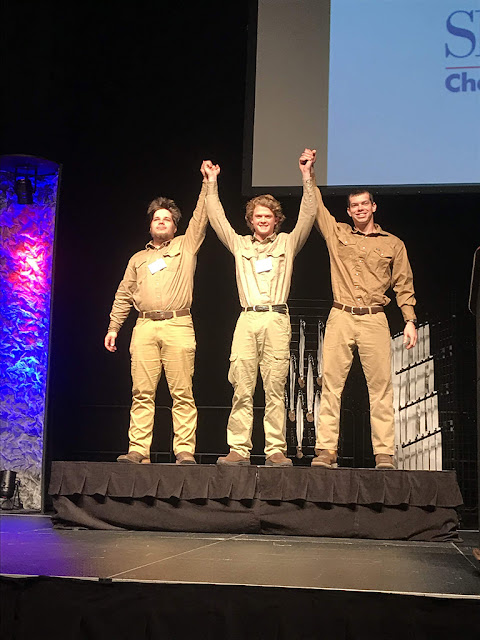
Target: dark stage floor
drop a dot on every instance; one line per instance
(31, 546)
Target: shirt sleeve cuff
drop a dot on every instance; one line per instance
(408, 313)
(212, 188)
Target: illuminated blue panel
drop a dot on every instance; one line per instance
(26, 252)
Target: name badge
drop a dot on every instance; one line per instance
(263, 265)
(158, 265)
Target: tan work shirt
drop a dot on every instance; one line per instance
(169, 288)
(255, 285)
(363, 266)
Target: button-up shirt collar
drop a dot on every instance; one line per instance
(150, 245)
(378, 232)
(265, 240)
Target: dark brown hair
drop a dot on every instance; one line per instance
(164, 203)
(358, 192)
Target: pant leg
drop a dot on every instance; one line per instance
(146, 370)
(274, 364)
(374, 349)
(338, 349)
(178, 357)
(242, 376)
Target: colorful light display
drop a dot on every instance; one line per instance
(26, 252)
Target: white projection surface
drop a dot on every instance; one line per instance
(388, 91)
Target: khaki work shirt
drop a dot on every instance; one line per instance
(273, 285)
(363, 266)
(170, 288)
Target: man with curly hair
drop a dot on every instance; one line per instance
(158, 282)
(264, 264)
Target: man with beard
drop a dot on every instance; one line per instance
(158, 282)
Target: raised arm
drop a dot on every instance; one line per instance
(215, 212)
(324, 221)
(197, 227)
(308, 206)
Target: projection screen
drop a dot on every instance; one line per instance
(387, 92)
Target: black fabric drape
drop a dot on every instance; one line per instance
(366, 503)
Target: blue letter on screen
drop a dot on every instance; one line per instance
(448, 82)
(461, 33)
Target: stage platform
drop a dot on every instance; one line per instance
(150, 584)
(302, 501)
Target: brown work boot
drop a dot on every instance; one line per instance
(134, 457)
(278, 460)
(384, 461)
(184, 457)
(325, 458)
(233, 458)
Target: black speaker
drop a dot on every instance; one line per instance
(7, 484)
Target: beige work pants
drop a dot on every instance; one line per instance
(168, 344)
(370, 334)
(261, 339)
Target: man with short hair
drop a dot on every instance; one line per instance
(158, 282)
(264, 264)
(365, 261)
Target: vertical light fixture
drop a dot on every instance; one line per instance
(27, 223)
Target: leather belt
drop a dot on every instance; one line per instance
(279, 308)
(163, 315)
(358, 311)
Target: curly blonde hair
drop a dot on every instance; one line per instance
(265, 201)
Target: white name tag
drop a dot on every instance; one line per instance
(263, 265)
(158, 265)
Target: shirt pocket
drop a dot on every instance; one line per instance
(141, 269)
(246, 259)
(247, 254)
(382, 256)
(346, 248)
(279, 258)
(172, 259)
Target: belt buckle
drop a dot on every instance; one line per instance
(161, 315)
